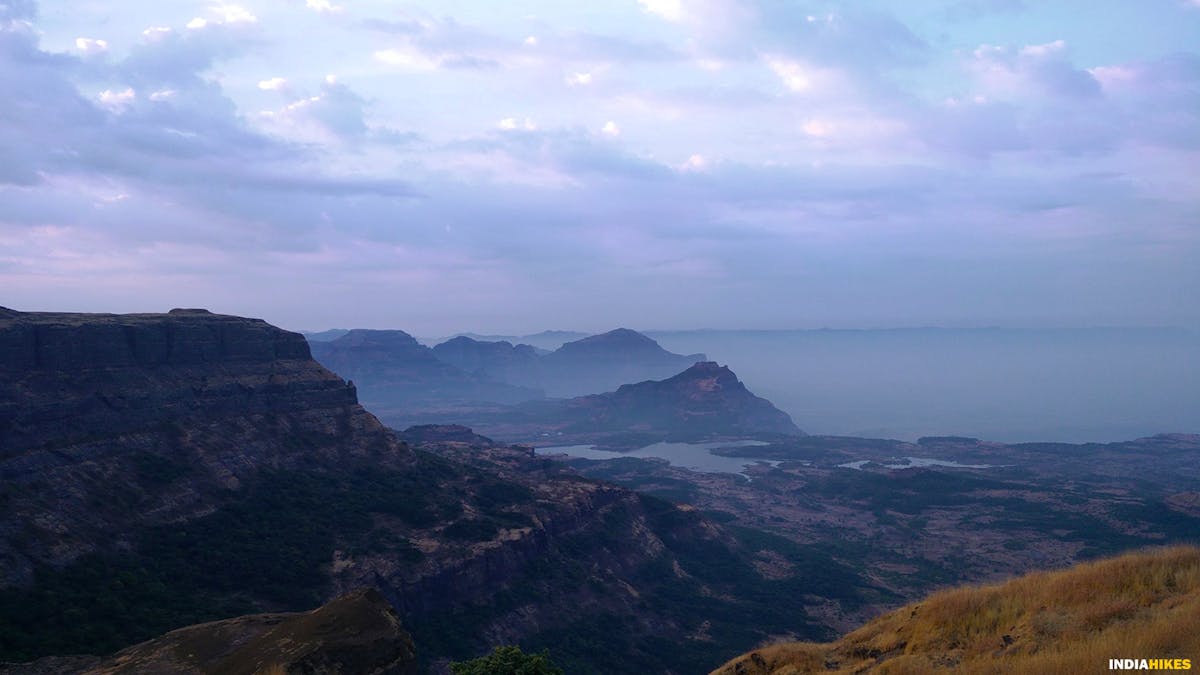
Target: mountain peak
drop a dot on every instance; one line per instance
(706, 369)
(366, 337)
(705, 398)
(618, 336)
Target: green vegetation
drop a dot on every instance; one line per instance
(507, 661)
(264, 549)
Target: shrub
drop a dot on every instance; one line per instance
(507, 661)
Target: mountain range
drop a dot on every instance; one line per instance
(160, 470)
(407, 383)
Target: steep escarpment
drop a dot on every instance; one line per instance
(71, 377)
(113, 422)
(1137, 606)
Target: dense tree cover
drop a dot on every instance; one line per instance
(507, 661)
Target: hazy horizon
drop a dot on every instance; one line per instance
(1089, 384)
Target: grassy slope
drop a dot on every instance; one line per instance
(1138, 605)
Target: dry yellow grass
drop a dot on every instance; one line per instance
(1139, 605)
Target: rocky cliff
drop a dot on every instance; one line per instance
(113, 422)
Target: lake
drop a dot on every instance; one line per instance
(692, 456)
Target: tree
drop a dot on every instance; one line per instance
(507, 661)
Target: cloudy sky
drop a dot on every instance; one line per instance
(470, 165)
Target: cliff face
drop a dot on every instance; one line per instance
(111, 422)
(70, 377)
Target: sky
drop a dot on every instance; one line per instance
(510, 167)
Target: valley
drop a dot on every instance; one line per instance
(162, 470)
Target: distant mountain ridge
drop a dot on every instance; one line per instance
(547, 340)
(391, 368)
(705, 400)
(590, 365)
(400, 378)
(519, 365)
(606, 361)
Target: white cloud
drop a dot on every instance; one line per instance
(1043, 49)
(694, 163)
(512, 123)
(405, 58)
(610, 128)
(579, 79)
(273, 84)
(228, 13)
(117, 100)
(91, 47)
(793, 75)
(324, 6)
(156, 32)
(1030, 70)
(162, 94)
(671, 10)
(223, 13)
(531, 41)
(1114, 77)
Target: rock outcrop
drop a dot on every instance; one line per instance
(113, 422)
(71, 377)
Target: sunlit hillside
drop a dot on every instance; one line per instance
(1143, 605)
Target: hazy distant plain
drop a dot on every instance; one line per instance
(1074, 385)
